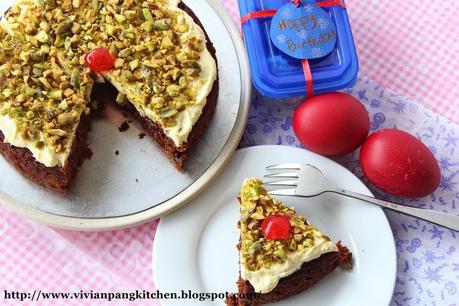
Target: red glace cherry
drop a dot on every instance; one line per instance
(99, 60)
(276, 227)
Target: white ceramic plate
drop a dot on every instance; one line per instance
(140, 183)
(195, 247)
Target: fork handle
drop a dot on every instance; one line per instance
(440, 218)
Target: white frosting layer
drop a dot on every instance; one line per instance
(266, 279)
(188, 117)
(45, 155)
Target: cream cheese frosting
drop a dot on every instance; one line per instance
(45, 155)
(188, 117)
(266, 279)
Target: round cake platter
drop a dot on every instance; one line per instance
(128, 180)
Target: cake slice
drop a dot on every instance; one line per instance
(281, 254)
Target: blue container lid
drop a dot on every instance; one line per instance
(278, 75)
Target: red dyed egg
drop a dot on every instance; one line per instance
(400, 164)
(331, 124)
(99, 60)
(276, 227)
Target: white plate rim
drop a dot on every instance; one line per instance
(393, 256)
(182, 198)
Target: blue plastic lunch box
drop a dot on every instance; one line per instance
(278, 75)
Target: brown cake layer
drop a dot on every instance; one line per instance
(310, 273)
(56, 178)
(59, 178)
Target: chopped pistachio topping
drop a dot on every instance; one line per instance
(45, 87)
(256, 250)
(37, 92)
(157, 61)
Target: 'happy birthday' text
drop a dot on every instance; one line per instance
(305, 22)
(310, 41)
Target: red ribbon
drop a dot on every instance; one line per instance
(308, 78)
(257, 15)
(271, 13)
(304, 63)
(331, 3)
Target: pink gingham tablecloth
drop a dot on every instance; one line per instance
(411, 47)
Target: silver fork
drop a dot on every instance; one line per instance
(304, 180)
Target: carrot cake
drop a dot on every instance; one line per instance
(55, 53)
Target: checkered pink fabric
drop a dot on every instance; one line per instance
(410, 46)
(36, 257)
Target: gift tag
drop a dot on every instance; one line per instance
(303, 32)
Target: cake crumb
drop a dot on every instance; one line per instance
(142, 135)
(87, 153)
(124, 126)
(117, 152)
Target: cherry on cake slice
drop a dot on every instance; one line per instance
(280, 253)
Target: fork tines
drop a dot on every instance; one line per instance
(289, 166)
(291, 183)
(283, 171)
(282, 175)
(288, 171)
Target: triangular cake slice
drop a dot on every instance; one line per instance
(161, 62)
(281, 253)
